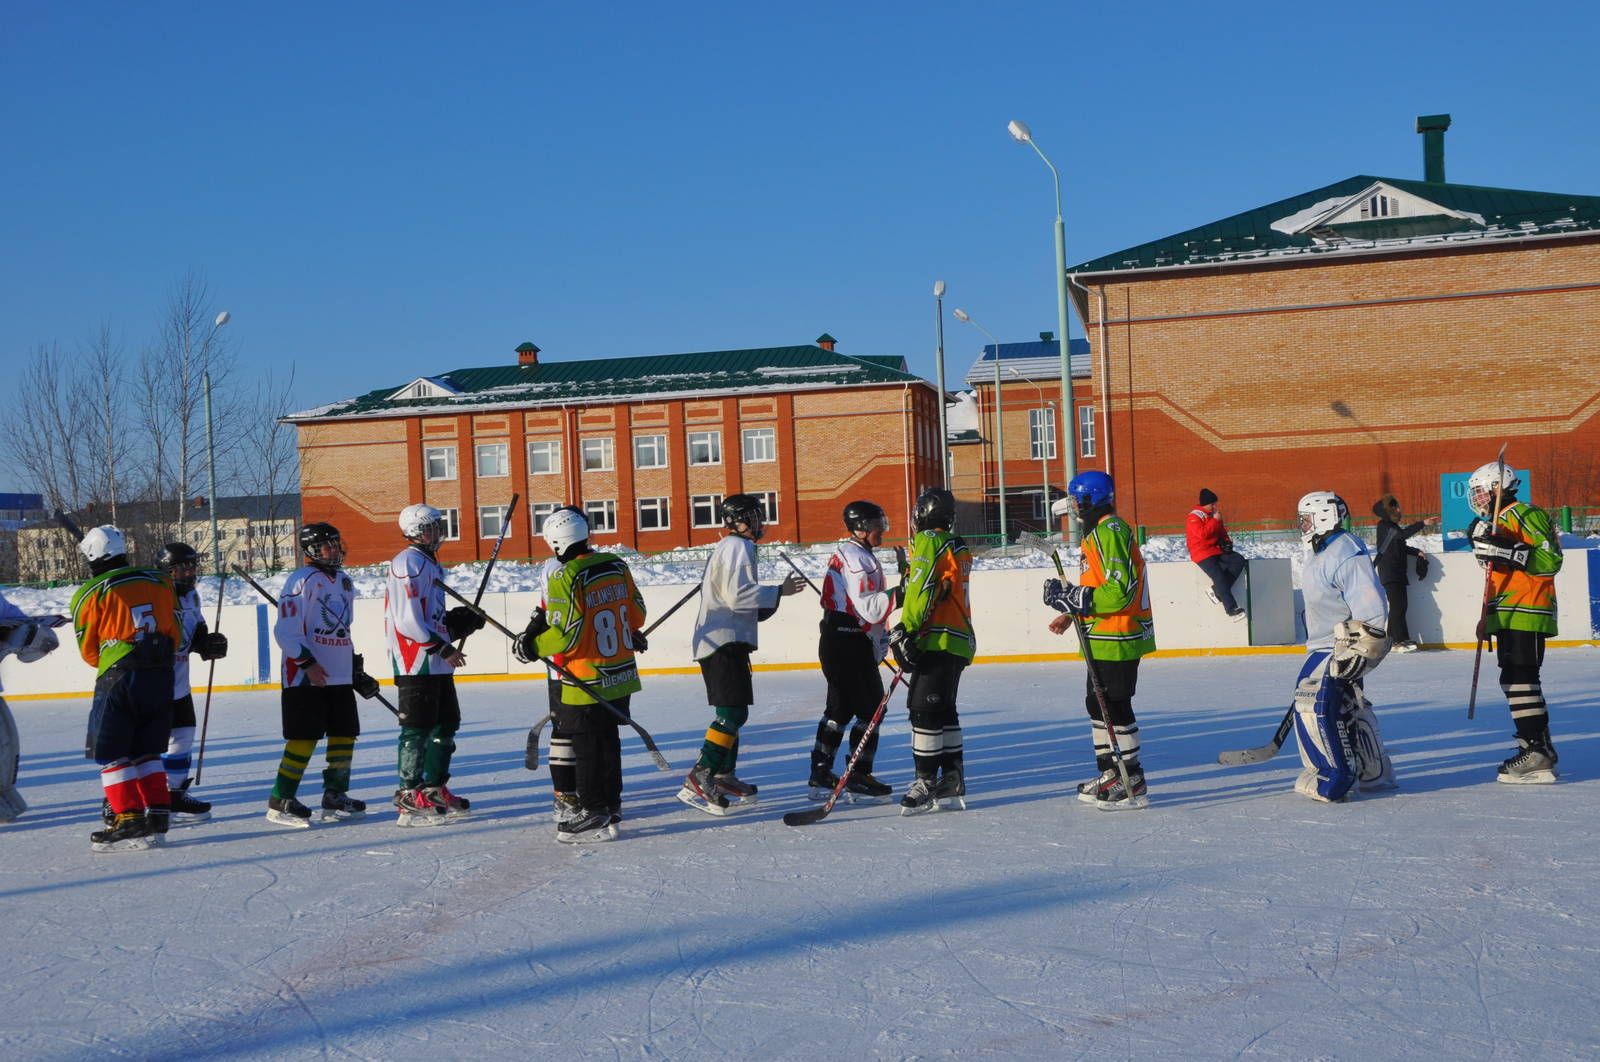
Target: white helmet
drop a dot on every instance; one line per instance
(102, 543)
(564, 529)
(1321, 512)
(31, 641)
(422, 524)
(1481, 484)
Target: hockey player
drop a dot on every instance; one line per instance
(563, 775)
(181, 563)
(856, 602)
(591, 620)
(937, 605)
(1521, 552)
(732, 602)
(1340, 746)
(30, 639)
(320, 670)
(126, 622)
(420, 631)
(1113, 597)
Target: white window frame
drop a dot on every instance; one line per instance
(550, 451)
(538, 512)
(499, 456)
(452, 524)
(1086, 431)
(711, 444)
(660, 510)
(490, 514)
(764, 441)
(769, 505)
(1041, 422)
(698, 502)
(449, 455)
(607, 455)
(601, 514)
(657, 455)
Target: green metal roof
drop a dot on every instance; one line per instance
(716, 372)
(1492, 212)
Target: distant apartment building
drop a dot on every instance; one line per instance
(647, 446)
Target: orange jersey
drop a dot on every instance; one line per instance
(593, 608)
(112, 613)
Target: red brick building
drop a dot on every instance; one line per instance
(648, 446)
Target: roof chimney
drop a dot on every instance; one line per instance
(1432, 127)
(1047, 337)
(826, 342)
(527, 354)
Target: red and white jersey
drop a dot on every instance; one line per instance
(413, 615)
(855, 585)
(315, 610)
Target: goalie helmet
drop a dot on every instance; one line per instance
(1481, 484)
(865, 516)
(1321, 513)
(936, 508)
(104, 548)
(565, 528)
(322, 545)
(423, 525)
(744, 509)
(180, 561)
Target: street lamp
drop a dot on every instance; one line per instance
(211, 449)
(1069, 452)
(999, 422)
(1044, 469)
(938, 365)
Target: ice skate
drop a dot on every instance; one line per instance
(862, 788)
(1109, 793)
(1534, 764)
(565, 808)
(1237, 614)
(455, 807)
(1406, 646)
(919, 797)
(186, 809)
(822, 784)
(699, 791)
(341, 806)
(159, 821)
(589, 827)
(740, 794)
(417, 807)
(951, 790)
(287, 811)
(129, 832)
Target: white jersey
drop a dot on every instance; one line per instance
(315, 610)
(855, 585)
(731, 598)
(191, 618)
(1338, 583)
(413, 614)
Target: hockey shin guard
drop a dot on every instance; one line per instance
(722, 739)
(176, 759)
(336, 776)
(1525, 698)
(830, 732)
(296, 754)
(436, 753)
(951, 757)
(563, 763)
(408, 756)
(153, 790)
(864, 764)
(927, 743)
(120, 779)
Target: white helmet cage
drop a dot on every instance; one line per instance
(1480, 486)
(1321, 512)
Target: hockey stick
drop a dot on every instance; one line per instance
(68, 524)
(1263, 753)
(1488, 584)
(682, 601)
(800, 573)
(810, 816)
(274, 603)
(1099, 690)
(560, 669)
(505, 524)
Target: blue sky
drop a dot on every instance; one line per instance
(382, 191)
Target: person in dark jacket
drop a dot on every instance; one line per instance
(1212, 549)
(1390, 555)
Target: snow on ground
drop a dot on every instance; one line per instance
(1455, 918)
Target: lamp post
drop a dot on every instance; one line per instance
(1045, 408)
(999, 422)
(211, 449)
(938, 365)
(1069, 452)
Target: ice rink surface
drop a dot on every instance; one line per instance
(1455, 918)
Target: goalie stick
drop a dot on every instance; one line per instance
(1261, 753)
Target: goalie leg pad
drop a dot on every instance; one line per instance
(1325, 750)
(1374, 771)
(11, 802)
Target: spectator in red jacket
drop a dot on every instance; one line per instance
(1212, 549)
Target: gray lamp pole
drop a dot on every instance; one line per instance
(1069, 452)
(999, 423)
(944, 433)
(1044, 448)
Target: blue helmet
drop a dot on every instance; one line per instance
(1092, 489)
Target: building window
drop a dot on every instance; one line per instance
(1085, 431)
(452, 524)
(538, 511)
(544, 457)
(705, 448)
(1380, 206)
(649, 451)
(493, 459)
(439, 462)
(597, 454)
(1040, 509)
(760, 444)
(602, 515)
(769, 505)
(706, 510)
(1041, 433)
(489, 520)
(653, 514)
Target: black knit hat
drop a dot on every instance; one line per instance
(1206, 497)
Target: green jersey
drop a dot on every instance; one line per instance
(939, 557)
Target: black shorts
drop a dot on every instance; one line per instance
(428, 701)
(1522, 650)
(850, 664)
(727, 675)
(935, 682)
(1119, 679)
(183, 711)
(131, 716)
(575, 719)
(311, 713)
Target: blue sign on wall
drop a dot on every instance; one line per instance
(1455, 511)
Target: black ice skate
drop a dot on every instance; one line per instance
(821, 784)
(341, 806)
(566, 808)
(186, 808)
(590, 827)
(699, 791)
(862, 788)
(919, 797)
(287, 811)
(1109, 794)
(951, 790)
(129, 832)
(1534, 764)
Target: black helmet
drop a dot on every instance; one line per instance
(313, 537)
(865, 516)
(171, 556)
(743, 509)
(936, 507)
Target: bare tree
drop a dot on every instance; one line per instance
(99, 399)
(270, 468)
(40, 430)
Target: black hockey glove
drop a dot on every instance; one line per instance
(640, 643)
(897, 596)
(904, 649)
(1422, 566)
(211, 646)
(525, 648)
(1067, 597)
(364, 684)
(461, 621)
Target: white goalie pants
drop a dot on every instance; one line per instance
(11, 802)
(1340, 746)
